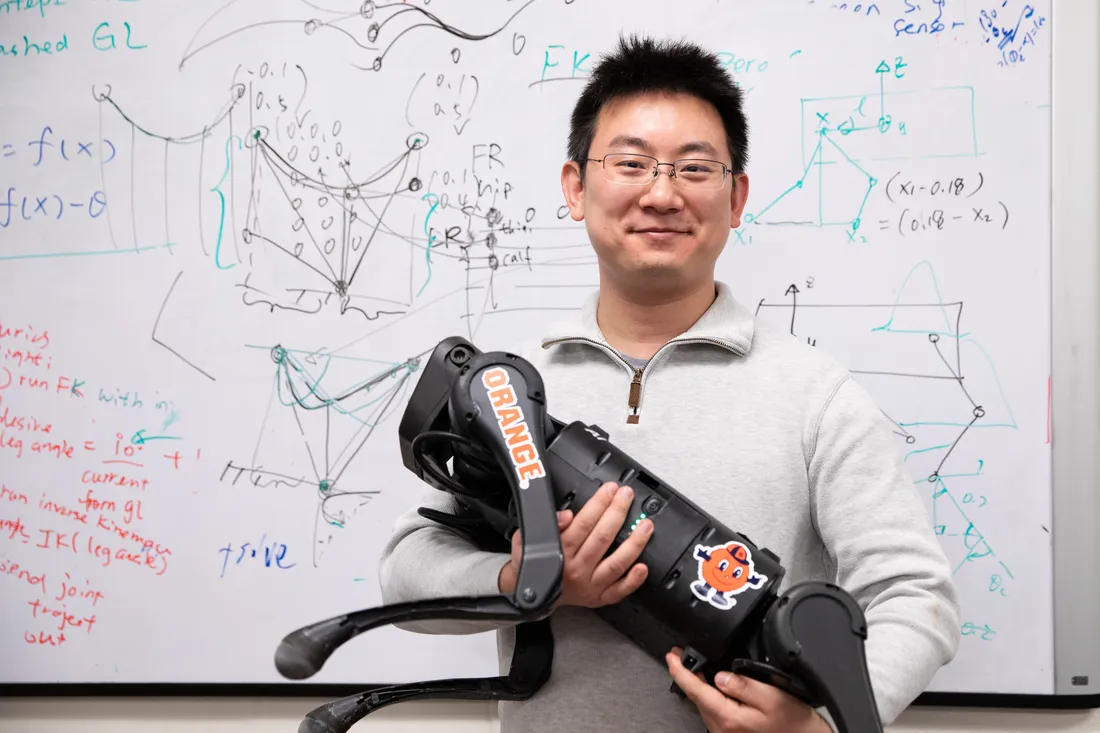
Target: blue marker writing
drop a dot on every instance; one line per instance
(269, 555)
(221, 200)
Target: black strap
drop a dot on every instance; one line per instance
(531, 665)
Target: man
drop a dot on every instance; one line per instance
(769, 435)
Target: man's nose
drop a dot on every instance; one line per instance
(663, 193)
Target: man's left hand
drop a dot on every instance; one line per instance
(743, 705)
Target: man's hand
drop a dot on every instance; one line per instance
(744, 705)
(589, 579)
(506, 581)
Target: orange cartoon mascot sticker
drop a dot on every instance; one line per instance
(724, 571)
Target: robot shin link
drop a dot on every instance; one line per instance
(477, 426)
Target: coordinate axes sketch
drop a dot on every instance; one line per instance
(846, 135)
(910, 352)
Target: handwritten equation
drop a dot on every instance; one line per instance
(1010, 27)
(67, 149)
(52, 207)
(48, 150)
(912, 221)
(449, 97)
(61, 547)
(899, 187)
(931, 204)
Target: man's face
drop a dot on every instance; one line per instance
(660, 233)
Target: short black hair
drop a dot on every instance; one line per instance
(644, 65)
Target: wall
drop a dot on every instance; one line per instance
(283, 716)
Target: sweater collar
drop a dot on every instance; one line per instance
(726, 323)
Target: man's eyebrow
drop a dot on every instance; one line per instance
(698, 146)
(629, 141)
(632, 141)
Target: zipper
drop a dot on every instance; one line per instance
(637, 380)
(635, 397)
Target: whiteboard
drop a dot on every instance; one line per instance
(230, 230)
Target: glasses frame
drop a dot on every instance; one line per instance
(656, 169)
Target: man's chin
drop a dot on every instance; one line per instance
(650, 264)
(657, 271)
(658, 263)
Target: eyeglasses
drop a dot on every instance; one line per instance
(631, 169)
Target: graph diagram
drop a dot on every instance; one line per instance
(939, 389)
(846, 140)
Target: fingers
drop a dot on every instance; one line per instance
(507, 578)
(679, 652)
(625, 585)
(757, 694)
(565, 518)
(585, 520)
(617, 563)
(733, 685)
(708, 699)
(593, 549)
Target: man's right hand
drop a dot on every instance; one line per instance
(589, 579)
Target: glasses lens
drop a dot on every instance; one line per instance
(628, 168)
(698, 173)
(637, 170)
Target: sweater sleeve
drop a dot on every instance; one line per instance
(423, 559)
(877, 530)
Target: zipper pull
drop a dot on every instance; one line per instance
(635, 397)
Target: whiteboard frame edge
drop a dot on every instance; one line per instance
(1075, 408)
(1075, 355)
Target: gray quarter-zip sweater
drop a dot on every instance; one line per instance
(773, 438)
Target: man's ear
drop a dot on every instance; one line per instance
(739, 196)
(573, 189)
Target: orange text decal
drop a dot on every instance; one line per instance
(513, 426)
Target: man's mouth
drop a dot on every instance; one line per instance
(659, 230)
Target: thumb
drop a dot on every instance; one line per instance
(732, 685)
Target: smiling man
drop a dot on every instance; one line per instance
(771, 436)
